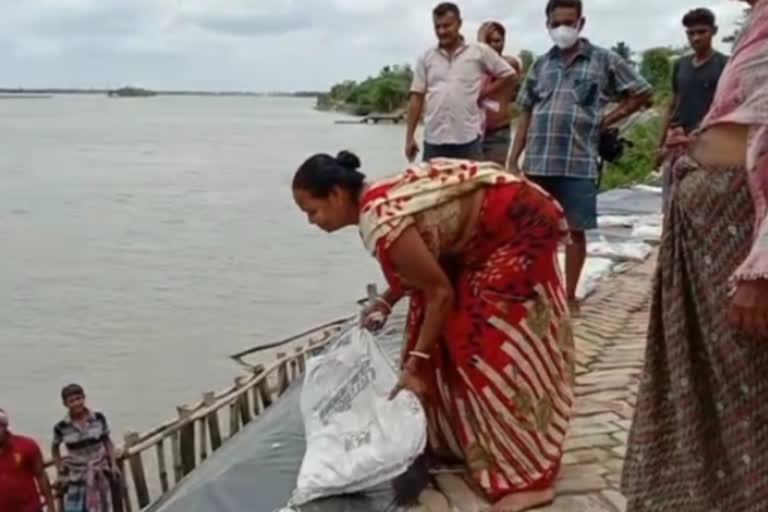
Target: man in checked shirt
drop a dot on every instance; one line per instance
(563, 101)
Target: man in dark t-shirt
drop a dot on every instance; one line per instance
(694, 77)
(695, 87)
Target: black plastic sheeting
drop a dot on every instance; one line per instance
(256, 471)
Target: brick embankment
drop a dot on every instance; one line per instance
(610, 345)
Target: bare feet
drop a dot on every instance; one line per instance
(520, 502)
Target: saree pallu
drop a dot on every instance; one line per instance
(699, 440)
(500, 378)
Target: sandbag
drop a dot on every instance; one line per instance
(356, 437)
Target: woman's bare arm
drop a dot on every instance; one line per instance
(420, 269)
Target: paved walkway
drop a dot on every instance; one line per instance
(610, 343)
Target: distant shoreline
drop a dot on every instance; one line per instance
(296, 94)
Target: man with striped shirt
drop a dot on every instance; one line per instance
(89, 470)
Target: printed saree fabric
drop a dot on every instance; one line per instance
(500, 379)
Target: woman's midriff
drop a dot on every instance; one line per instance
(723, 145)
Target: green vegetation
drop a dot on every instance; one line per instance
(385, 93)
(637, 162)
(526, 57)
(623, 50)
(131, 92)
(656, 66)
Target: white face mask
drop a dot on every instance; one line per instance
(564, 36)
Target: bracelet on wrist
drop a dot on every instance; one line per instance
(420, 355)
(384, 303)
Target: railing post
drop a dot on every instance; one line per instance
(214, 429)
(301, 359)
(162, 471)
(242, 401)
(178, 470)
(125, 496)
(186, 440)
(259, 401)
(282, 374)
(137, 471)
(234, 418)
(293, 364)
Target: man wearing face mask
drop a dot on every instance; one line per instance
(564, 100)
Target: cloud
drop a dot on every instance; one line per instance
(279, 44)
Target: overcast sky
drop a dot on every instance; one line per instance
(279, 44)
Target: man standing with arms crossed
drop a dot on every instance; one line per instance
(448, 87)
(496, 138)
(563, 101)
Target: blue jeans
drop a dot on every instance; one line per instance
(577, 196)
(470, 151)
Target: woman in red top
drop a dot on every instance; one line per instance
(22, 475)
(488, 344)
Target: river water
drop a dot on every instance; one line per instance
(144, 240)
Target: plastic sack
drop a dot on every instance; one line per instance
(356, 437)
(648, 233)
(619, 251)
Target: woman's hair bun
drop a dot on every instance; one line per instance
(348, 160)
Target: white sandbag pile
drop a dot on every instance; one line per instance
(639, 232)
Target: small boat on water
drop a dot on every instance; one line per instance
(131, 92)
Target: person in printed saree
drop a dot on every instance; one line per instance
(488, 346)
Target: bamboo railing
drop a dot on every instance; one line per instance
(152, 463)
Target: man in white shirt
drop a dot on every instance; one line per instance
(449, 84)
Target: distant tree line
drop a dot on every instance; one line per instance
(386, 92)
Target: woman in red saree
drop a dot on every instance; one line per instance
(488, 344)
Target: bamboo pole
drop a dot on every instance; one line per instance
(137, 471)
(162, 471)
(212, 418)
(264, 391)
(293, 365)
(203, 444)
(234, 418)
(258, 401)
(244, 408)
(282, 374)
(178, 472)
(186, 440)
(301, 360)
(125, 496)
